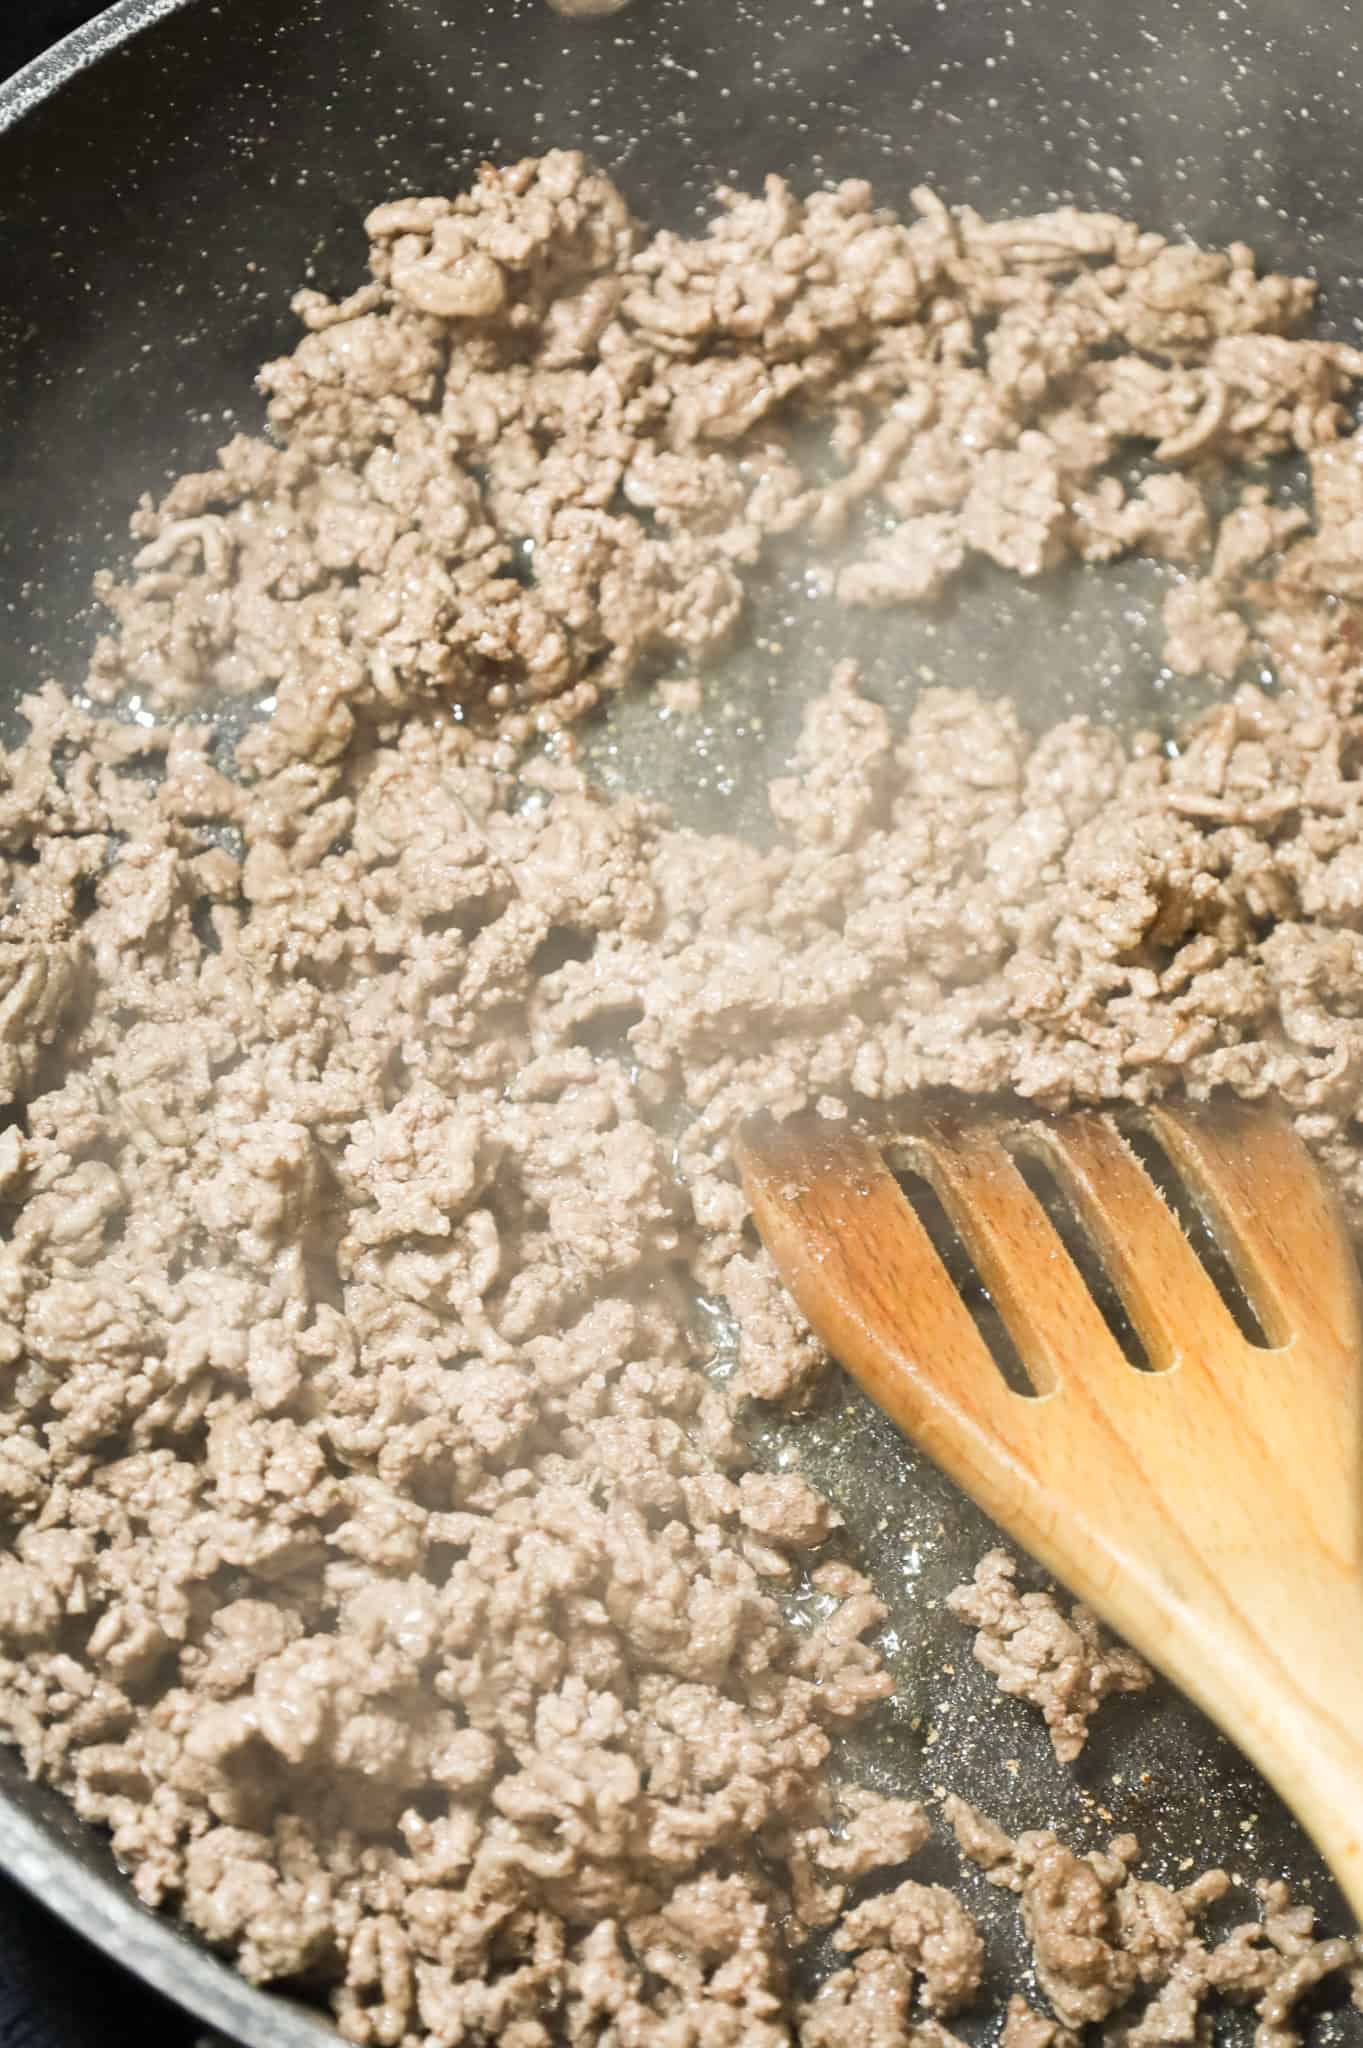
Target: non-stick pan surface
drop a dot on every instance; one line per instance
(174, 171)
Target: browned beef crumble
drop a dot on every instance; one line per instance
(1067, 1666)
(1103, 1937)
(381, 1568)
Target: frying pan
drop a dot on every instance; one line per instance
(174, 170)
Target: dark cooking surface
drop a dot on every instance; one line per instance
(155, 216)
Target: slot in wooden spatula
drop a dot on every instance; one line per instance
(1210, 1507)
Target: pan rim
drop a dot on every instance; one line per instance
(36, 81)
(103, 1907)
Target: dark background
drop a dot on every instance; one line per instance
(56, 1991)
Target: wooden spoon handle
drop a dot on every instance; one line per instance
(1321, 1778)
(1210, 1511)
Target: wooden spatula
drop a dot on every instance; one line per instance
(1210, 1508)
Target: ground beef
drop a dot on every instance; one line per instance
(929, 1930)
(869, 2004)
(1106, 1942)
(383, 1570)
(1065, 1667)
(539, 447)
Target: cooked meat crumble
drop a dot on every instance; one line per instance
(1067, 1667)
(1102, 1936)
(384, 1571)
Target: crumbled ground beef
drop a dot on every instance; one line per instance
(1105, 1941)
(382, 1570)
(1065, 1667)
(540, 445)
(928, 1929)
